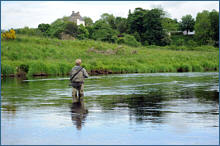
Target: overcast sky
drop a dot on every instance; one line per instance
(18, 14)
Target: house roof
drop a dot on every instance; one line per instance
(76, 16)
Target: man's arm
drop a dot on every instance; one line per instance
(71, 74)
(85, 74)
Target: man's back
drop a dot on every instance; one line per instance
(80, 77)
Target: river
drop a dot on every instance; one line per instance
(149, 109)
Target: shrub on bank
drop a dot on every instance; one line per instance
(128, 40)
(9, 35)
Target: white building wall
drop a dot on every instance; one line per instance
(189, 33)
(80, 22)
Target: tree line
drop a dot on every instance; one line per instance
(141, 27)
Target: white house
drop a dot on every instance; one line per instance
(189, 32)
(75, 17)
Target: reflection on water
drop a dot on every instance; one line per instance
(179, 108)
(78, 114)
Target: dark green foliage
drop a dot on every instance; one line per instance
(24, 67)
(136, 23)
(82, 32)
(214, 20)
(70, 28)
(187, 23)
(155, 34)
(121, 24)
(44, 28)
(148, 25)
(90, 30)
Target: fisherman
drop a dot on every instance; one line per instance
(77, 77)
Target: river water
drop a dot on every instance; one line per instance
(158, 108)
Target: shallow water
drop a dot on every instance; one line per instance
(158, 108)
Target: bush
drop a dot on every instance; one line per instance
(24, 67)
(56, 28)
(103, 32)
(8, 35)
(44, 28)
(128, 40)
(83, 33)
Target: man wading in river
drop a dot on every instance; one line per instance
(77, 77)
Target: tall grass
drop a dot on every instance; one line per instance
(38, 55)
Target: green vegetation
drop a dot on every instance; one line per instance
(142, 26)
(207, 28)
(146, 26)
(145, 41)
(34, 55)
(187, 23)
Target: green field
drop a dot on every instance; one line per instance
(30, 55)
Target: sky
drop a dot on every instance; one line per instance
(18, 14)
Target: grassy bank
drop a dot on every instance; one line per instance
(44, 56)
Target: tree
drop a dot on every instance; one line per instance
(88, 21)
(187, 23)
(136, 23)
(44, 28)
(146, 26)
(56, 28)
(214, 20)
(203, 28)
(71, 28)
(169, 24)
(109, 19)
(155, 34)
(61, 26)
(121, 24)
